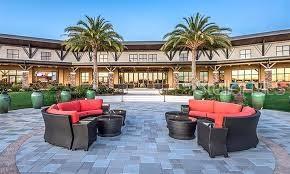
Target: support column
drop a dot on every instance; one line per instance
(72, 78)
(175, 79)
(216, 78)
(25, 79)
(111, 79)
(268, 79)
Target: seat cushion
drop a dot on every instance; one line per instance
(227, 108)
(73, 114)
(70, 106)
(201, 105)
(92, 104)
(197, 114)
(212, 116)
(218, 121)
(90, 113)
(246, 112)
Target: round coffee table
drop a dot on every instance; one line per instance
(119, 112)
(182, 128)
(174, 114)
(109, 125)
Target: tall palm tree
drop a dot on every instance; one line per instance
(197, 33)
(93, 35)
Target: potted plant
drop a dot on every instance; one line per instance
(90, 94)
(36, 97)
(65, 95)
(226, 96)
(5, 101)
(198, 94)
(258, 99)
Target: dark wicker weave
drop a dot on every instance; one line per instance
(119, 112)
(184, 108)
(181, 128)
(174, 114)
(213, 140)
(58, 129)
(109, 125)
(85, 133)
(242, 132)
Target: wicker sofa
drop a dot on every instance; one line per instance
(60, 118)
(240, 121)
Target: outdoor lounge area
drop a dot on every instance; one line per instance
(143, 147)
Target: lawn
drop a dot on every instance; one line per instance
(20, 100)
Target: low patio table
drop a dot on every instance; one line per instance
(109, 125)
(174, 114)
(85, 133)
(120, 112)
(182, 128)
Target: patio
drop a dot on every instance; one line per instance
(143, 147)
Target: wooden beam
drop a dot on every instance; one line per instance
(78, 55)
(61, 53)
(30, 52)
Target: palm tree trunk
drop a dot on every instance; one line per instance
(193, 68)
(95, 72)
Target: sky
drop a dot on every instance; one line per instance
(139, 20)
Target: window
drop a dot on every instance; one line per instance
(143, 57)
(283, 50)
(103, 57)
(183, 57)
(133, 57)
(46, 76)
(85, 77)
(45, 55)
(12, 53)
(10, 76)
(184, 77)
(281, 74)
(221, 76)
(152, 57)
(245, 75)
(245, 53)
(103, 77)
(203, 76)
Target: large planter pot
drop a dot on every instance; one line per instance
(91, 94)
(250, 85)
(4, 103)
(65, 96)
(198, 94)
(234, 85)
(37, 99)
(258, 99)
(225, 96)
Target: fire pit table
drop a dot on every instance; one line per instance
(120, 112)
(109, 125)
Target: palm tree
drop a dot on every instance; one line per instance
(197, 33)
(93, 35)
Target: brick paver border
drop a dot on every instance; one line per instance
(8, 155)
(281, 156)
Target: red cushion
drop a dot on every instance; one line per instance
(218, 121)
(197, 114)
(248, 110)
(201, 105)
(212, 116)
(73, 114)
(69, 106)
(90, 113)
(92, 104)
(228, 108)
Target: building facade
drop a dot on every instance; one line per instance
(262, 58)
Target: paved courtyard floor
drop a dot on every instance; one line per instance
(144, 147)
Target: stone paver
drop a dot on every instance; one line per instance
(143, 147)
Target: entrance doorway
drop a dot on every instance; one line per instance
(143, 79)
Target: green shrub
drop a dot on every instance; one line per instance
(15, 88)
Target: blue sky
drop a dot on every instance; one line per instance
(140, 19)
